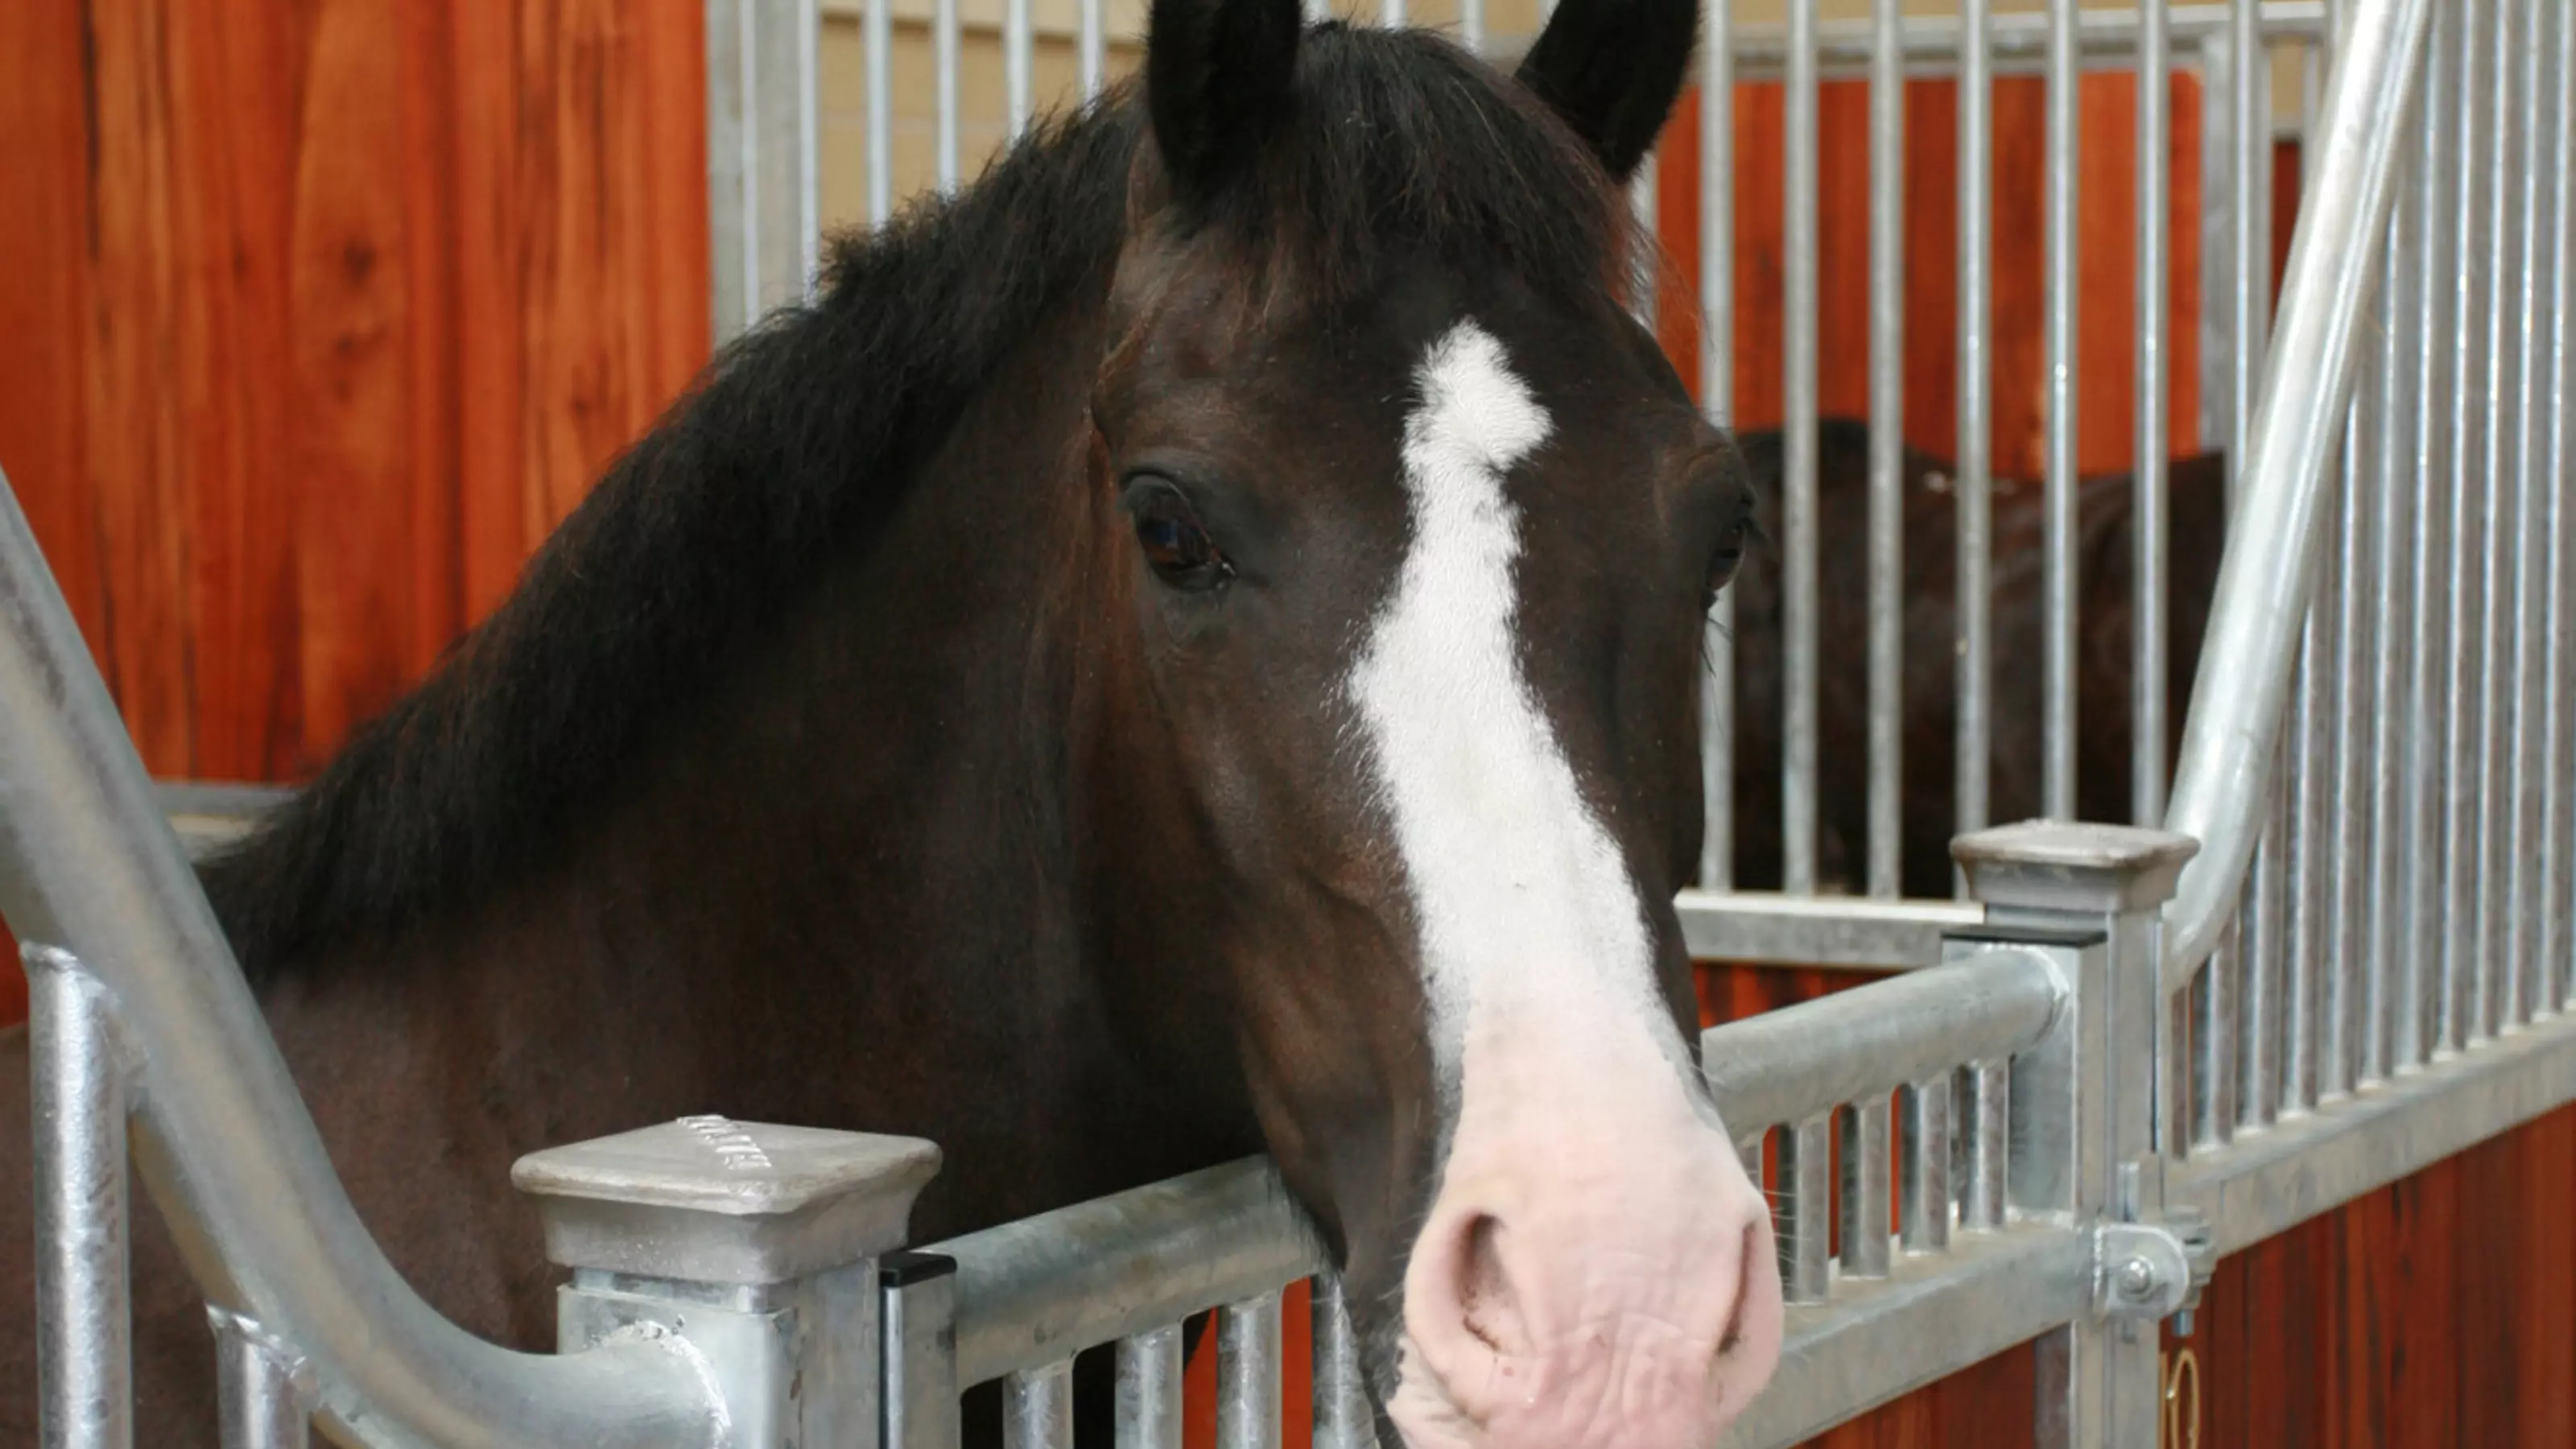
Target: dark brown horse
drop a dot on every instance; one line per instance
(1188, 649)
(2105, 651)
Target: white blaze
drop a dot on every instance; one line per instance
(1523, 898)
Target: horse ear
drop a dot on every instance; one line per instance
(1219, 76)
(1612, 69)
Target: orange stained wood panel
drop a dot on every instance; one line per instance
(317, 317)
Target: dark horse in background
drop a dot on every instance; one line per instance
(1188, 649)
(2105, 651)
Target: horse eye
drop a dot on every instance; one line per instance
(1177, 545)
(1727, 559)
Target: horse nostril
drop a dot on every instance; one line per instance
(1729, 1341)
(1488, 1306)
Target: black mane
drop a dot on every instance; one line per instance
(800, 438)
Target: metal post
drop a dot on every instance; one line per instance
(1972, 764)
(2057, 650)
(84, 1288)
(1247, 1374)
(1798, 593)
(1886, 447)
(756, 1244)
(2086, 1127)
(764, 191)
(263, 1387)
(1037, 1407)
(1149, 1390)
(920, 1336)
(2155, 203)
(1717, 401)
(876, 40)
(1343, 1418)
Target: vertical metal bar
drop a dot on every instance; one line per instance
(2356, 1051)
(2469, 501)
(2215, 1037)
(2430, 362)
(1149, 1389)
(1390, 13)
(1886, 446)
(1343, 1418)
(2261, 957)
(2558, 932)
(943, 46)
(2058, 566)
(1093, 45)
(2501, 878)
(262, 1390)
(2217, 383)
(1806, 1209)
(2396, 1035)
(1717, 401)
(1247, 1374)
(2325, 986)
(1866, 1210)
(84, 1285)
(919, 1291)
(2150, 568)
(1926, 1216)
(1990, 1131)
(1973, 765)
(2249, 267)
(876, 41)
(1471, 25)
(1017, 46)
(764, 200)
(1798, 653)
(1037, 1407)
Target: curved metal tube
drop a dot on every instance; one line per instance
(88, 863)
(2244, 680)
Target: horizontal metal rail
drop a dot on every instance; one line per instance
(1931, 1316)
(2273, 1180)
(1789, 1064)
(1034, 1292)
(88, 863)
(1932, 44)
(1044, 1288)
(1848, 931)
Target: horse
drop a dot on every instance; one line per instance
(2105, 651)
(1187, 648)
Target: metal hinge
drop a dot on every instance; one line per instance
(2149, 1271)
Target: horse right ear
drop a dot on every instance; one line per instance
(1220, 76)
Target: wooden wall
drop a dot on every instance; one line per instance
(317, 316)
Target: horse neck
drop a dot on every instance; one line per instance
(839, 889)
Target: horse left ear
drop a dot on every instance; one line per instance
(1612, 69)
(1220, 76)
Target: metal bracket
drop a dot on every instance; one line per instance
(2145, 1272)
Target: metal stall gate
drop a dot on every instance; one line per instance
(2120, 1054)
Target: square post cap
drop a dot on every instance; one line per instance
(711, 1200)
(2058, 865)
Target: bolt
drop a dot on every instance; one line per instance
(2137, 1279)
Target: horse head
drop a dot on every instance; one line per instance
(1415, 532)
